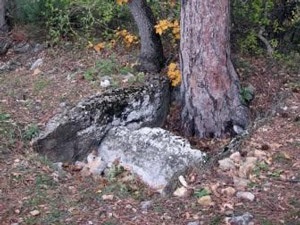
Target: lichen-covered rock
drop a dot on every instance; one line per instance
(157, 156)
(70, 135)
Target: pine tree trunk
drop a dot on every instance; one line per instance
(151, 57)
(210, 86)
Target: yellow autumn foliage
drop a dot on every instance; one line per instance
(121, 2)
(128, 38)
(174, 74)
(97, 47)
(172, 3)
(164, 25)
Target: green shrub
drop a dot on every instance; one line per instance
(68, 19)
(279, 21)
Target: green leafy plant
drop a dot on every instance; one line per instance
(114, 171)
(202, 192)
(276, 173)
(31, 131)
(247, 95)
(260, 167)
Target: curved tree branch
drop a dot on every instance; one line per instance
(270, 50)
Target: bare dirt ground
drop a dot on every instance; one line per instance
(33, 192)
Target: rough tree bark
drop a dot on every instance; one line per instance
(5, 42)
(151, 57)
(210, 87)
(3, 25)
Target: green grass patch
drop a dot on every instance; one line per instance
(106, 67)
(40, 85)
(10, 132)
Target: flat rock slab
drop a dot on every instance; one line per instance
(71, 135)
(157, 156)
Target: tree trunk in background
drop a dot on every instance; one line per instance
(5, 42)
(151, 57)
(3, 25)
(210, 86)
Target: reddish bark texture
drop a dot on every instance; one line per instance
(210, 87)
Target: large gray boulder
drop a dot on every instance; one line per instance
(71, 135)
(157, 156)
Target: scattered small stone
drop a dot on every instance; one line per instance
(105, 83)
(226, 164)
(36, 64)
(58, 166)
(236, 157)
(183, 192)
(228, 213)
(17, 211)
(165, 216)
(206, 201)
(35, 213)
(193, 223)
(245, 195)
(238, 129)
(229, 191)
(244, 219)
(240, 183)
(94, 166)
(107, 197)
(9, 66)
(21, 47)
(145, 205)
(38, 47)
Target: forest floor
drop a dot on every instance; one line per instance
(33, 192)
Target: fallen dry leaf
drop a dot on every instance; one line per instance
(35, 213)
(37, 71)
